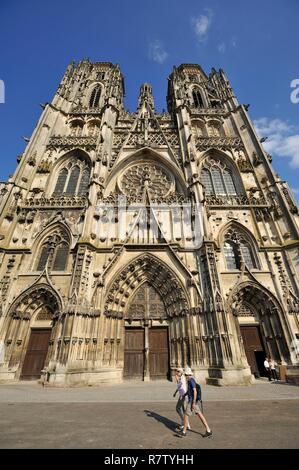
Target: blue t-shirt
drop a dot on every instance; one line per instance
(191, 387)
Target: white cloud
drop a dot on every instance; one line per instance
(201, 25)
(156, 52)
(222, 48)
(234, 41)
(283, 138)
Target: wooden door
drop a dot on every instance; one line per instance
(36, 354)
(134, 353)
(252, 343)
(158, 353)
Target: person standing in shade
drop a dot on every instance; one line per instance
(193, 407)
(272, 365)
(182, 400)
(267, 367)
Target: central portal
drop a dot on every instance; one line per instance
(141, 361)
(146, 355)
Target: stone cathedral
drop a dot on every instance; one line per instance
(132, 243)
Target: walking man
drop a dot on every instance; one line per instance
(182, 400)
(193, 405)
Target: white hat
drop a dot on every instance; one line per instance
(188, 371)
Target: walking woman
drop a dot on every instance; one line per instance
(183, 399)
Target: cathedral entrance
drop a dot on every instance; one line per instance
(36, 353)
(146, 355)
(30, 324)
(146, 362)
(258, 318)
(254, 349)
(134, 353)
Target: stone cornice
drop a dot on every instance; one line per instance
(72, 141)
(204, 143)
(56, 201)
(235, 201)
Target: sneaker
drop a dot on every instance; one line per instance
(189, 427)
(179, 428)
(183, 434)
(208, 434)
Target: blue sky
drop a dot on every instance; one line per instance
(256, 43)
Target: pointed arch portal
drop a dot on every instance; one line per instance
(259, 322)
(146, 354)
(29, 330)
(147, 296)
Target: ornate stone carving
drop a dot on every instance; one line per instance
(228, 201)
(88, 143)
(45, 166)
(56, 201)
(150, 269)
(150, 176)
(222, 143)
(244, 164)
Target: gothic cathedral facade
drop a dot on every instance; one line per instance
(132, 243)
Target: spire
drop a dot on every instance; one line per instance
(145, 97)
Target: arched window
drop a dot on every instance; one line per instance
(54, 253)
(60, 184)
(83, 187)
(73, 178)
(218, 179)
(247, 255)
(197, 99)
(95, 97)
(238, 251)
(43, 257)
(229, 182)
(207, 181)
(60, 259)
(231, 255)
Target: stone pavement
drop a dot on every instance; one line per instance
(31, 392)
(142, 416)
(236, 425)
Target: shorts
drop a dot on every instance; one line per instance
(197, 408)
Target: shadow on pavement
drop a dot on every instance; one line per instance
(172, 425)
(168, 423)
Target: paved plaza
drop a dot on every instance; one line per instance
(142, 416)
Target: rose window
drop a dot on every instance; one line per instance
(150, 177)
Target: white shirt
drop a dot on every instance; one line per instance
(182, 386)
(266, 364)
(272, 365)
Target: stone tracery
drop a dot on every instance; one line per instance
(149, 269)
(148, 176)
